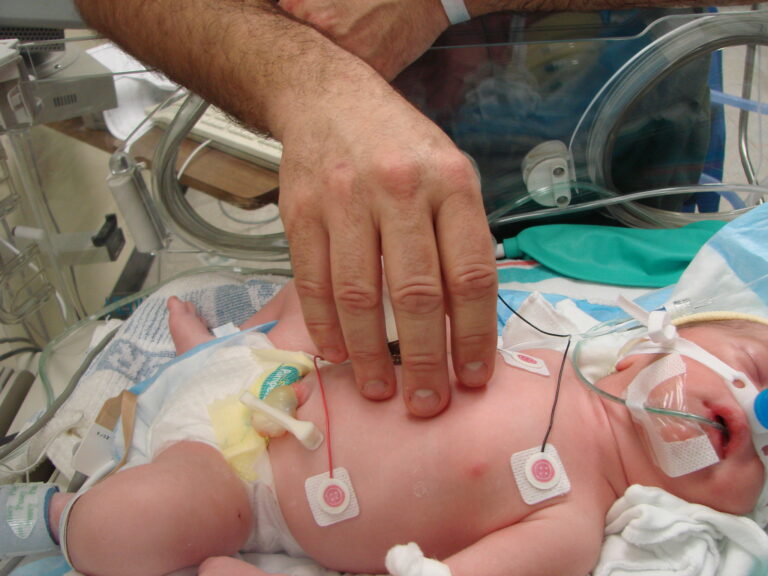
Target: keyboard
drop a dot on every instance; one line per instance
(227, 136)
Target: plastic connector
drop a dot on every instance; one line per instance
(547, 174)
(305, 432)
(761, 408)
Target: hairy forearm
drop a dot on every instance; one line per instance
(480, 7)
(246, 56)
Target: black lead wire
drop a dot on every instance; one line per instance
(560, 371)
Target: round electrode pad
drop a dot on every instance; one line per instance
(539, 475)
(542, 471)
(333, 496)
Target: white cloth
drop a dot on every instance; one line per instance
(408, 560)
(137, 88)
(649, 532)
(565, 318)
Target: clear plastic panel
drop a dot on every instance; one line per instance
(637, 97)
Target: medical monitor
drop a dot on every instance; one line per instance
(40, 21)
(56, 79)
(22, 14)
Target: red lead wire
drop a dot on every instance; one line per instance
(327, 416)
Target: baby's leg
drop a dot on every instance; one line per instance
(182, 508)
(187, 328)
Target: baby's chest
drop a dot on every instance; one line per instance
(530, 444)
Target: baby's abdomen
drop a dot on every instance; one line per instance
(441, 482)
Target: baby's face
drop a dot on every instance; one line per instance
(734, 484)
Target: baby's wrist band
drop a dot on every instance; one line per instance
(456, 11)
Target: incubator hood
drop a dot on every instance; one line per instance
(615, 117)
(622, 111)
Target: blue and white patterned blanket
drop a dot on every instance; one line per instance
(142, 344)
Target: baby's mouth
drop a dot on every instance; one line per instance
(717, 428)
(732, 431)
(725, 433)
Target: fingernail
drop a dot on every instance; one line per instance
(474, 374)
(425, 401)
(376, 390)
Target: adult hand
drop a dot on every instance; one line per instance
(364, 176)
(366, 179)
(387, 34)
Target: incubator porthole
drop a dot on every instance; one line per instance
(654, 127)
(662, 138)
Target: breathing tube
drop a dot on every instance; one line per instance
(656, 396)
(599, 349)
(727, 279)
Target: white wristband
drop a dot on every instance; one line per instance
(456, 11)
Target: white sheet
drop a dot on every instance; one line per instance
(649, 532)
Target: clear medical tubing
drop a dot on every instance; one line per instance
(609, 330)
(185, 221)
(592, 142)
(648, 215)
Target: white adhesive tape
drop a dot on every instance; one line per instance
(331, 499)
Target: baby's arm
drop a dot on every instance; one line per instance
(563, 540)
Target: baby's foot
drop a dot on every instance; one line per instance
(187, 328)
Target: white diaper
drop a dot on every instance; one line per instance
(174, 406)
(270, 534)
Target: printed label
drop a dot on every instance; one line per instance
(283, 375)
(95, 450)
(21, 511)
